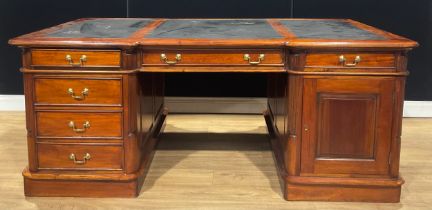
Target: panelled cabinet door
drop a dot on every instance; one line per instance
(347, 125)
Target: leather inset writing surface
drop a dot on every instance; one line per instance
(328, 29)
(102, 28)
(215, 29)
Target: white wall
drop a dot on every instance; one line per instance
(220, 105)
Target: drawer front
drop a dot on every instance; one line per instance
(316, 61)
(78, 91)
(213, 57)
(76, 156)
(78, 124)
(76, 58)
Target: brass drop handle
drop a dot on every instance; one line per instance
(247, 57)
(342, 60)
(80, 162)
(81, 97)
(86, 125)
(164, 58)
(82, 59)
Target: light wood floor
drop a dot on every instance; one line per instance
(204, 163)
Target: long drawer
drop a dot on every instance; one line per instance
(183, 57)
(80, 156)
(78, 91)
(68, 124)
(75, 58)
(349, 61)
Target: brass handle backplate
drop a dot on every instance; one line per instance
(86, 125)
(82, 59)
(247, 57)
(164, 58)
(81, 97)
(342, 60)
(80, 162)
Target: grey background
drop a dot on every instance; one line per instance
(412, 19)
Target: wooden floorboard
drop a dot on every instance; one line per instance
(213, 162)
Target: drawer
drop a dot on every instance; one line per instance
(344, 61)
(75, 58)
(80, 156)
(213, 58)
(62, 124)
(78, 91)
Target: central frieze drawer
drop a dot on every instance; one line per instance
(79, 156)
(78, 91)
(264, 57)
(75, 58)
(59, 124)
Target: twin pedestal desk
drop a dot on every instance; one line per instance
(94, 91)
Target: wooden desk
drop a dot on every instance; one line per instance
(94, 100)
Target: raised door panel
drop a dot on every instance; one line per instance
(347, 126)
